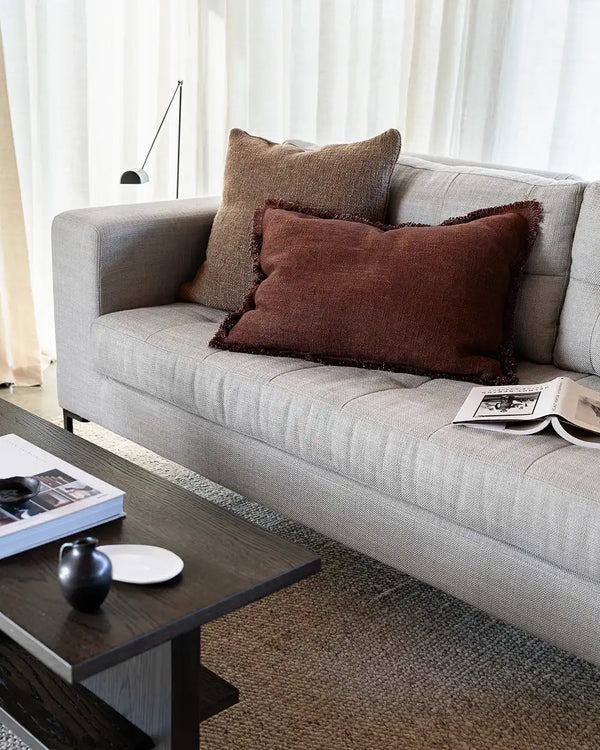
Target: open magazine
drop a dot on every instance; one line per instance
(570, 409)
(69, 500)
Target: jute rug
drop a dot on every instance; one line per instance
(366, 658)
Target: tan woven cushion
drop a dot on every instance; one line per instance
(348, 178)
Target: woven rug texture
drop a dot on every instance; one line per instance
(362, 657)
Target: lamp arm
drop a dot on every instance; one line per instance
(179, 139)
(177, 88)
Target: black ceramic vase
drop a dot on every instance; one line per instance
(84, 574)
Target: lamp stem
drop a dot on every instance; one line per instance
(178, 87)
(180, 84)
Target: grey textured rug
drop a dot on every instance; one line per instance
(366, 658)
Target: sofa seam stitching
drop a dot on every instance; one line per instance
(308, 366)
(383, 390)
(144, 341)
(550, 452)
(166, 328)
(567, 274)
(592, 338)
(446, 191)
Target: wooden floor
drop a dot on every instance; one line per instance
(41, 400)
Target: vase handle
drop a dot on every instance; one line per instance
(63, 549)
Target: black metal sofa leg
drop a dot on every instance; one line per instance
(68, 417)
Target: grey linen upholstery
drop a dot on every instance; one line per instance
(448, 160)
(116, 258)
(453, 162)
(578, 343)
(510, 524)
(388, 431)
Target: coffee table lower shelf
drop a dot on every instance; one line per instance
(48, 713)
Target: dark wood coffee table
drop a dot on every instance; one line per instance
(130, 676)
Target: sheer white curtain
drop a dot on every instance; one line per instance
(508, 81)
(88, 83)
(20, 360)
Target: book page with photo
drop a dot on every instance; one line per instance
(587, 410)
(68, 499)
(57, 489)
(517, 402)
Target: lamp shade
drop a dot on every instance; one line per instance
(138, 176)
(134, 177)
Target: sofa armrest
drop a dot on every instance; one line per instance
(119, 257)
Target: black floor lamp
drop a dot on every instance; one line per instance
(138, 176)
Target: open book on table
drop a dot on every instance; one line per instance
(572, 410)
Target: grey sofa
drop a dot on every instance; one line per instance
(510, 524)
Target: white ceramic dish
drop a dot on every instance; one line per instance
(142, 563)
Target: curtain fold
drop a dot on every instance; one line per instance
(507, 81)
(20, 358)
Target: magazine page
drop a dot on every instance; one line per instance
(530, 427)
(580, 406)
(576, 435)
(511, 403)
(63, 488)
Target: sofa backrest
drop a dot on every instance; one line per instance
(453, 162)
(429, 191)
(578, 342)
